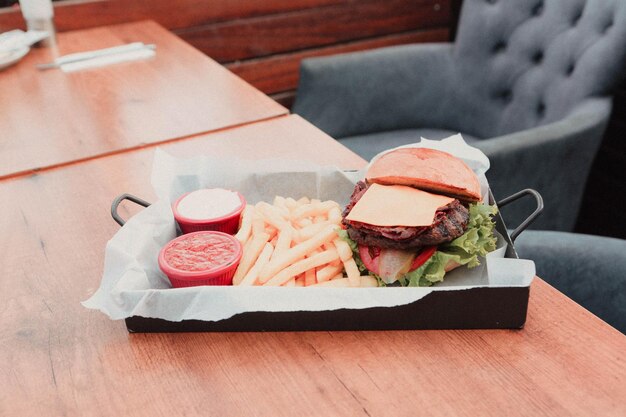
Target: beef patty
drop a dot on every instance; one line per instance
(450, 222)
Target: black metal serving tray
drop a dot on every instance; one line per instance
(475, 308)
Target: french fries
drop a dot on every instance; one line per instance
(295, 243)
(253, 273)
(246, 225)
(251, 252)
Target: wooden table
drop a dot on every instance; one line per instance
(61, 359)
(51, 118)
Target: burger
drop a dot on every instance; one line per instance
(416, 216)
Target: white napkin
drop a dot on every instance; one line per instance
(18, 39)
(143, 53)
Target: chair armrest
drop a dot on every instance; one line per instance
(350, 94)
(554, 159)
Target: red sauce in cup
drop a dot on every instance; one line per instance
(201, 258)
(200, 252)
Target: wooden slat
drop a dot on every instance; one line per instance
(242, 39)
(173, 15)
(281, 72)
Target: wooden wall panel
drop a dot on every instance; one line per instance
(280, 73)
(243, 39)
(178, 14)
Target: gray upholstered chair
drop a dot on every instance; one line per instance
(528, 81)
(589, 269)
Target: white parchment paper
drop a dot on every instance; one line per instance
(133, 285)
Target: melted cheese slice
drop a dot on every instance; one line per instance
(397, 205)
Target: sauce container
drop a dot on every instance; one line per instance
(201, 258)
(209, 209)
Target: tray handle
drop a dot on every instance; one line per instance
(118, 200)
(533, 215)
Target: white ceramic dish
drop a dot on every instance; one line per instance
(12, 57)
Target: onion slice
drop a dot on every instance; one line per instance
(394, 263)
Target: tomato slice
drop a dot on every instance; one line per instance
(370, 257)
(422, 257)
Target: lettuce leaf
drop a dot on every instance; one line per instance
(477, 241)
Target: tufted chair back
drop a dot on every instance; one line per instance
(521, 64)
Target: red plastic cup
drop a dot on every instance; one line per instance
(228, 223)
(201, 258)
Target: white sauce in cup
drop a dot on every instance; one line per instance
(208, 204)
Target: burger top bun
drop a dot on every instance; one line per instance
(427, 169)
